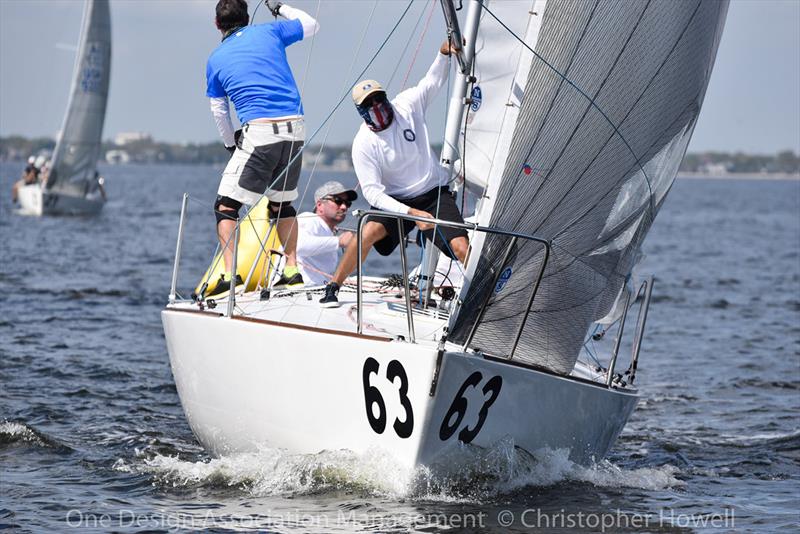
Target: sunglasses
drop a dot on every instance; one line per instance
(339, 201)
(377, 98)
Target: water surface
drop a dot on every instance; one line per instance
(92, 433)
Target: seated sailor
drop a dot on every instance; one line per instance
(318, 243)
(399, 173)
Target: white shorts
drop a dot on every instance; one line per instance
(261, 163)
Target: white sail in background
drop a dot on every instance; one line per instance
(605, 115)
(79, 142)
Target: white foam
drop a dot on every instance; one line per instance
(21, 432)
(466, 474)
(15, 429)
(274, 472)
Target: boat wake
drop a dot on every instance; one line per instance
(14, 434)
(469, 474)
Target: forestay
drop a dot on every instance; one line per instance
(78, 145)
(595, 148)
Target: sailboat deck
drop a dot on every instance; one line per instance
(384, 311)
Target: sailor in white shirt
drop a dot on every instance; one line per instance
(398, 171)
(317, 244)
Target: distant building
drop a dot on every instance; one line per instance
(715, 169)
(123, 138)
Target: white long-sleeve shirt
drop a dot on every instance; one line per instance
(317, 249)
(220, 109)
(398, 161)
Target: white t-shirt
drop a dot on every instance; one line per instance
(398, 161)
(317, 249)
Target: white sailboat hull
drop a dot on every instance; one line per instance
(33, 200)
(247, 384)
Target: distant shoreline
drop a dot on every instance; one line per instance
(740, 176)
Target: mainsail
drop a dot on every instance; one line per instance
(78, 145)
(601, 124)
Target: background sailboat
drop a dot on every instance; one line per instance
(71, 185)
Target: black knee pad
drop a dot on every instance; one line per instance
(227, 215)
(281, 209)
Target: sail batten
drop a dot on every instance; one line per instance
(612, 96)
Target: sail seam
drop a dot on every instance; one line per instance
(580, 123)
(564, 78)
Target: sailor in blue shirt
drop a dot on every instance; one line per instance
(250, 69)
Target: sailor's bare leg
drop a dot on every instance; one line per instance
(460, 246)
(373, 232)
(225, 230)
(287, 232)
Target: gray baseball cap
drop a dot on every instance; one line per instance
(334, 188)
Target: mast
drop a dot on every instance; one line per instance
(455, 113)
(459, 92)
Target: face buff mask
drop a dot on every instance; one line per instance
(377, 112)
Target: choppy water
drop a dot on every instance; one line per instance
(92, 433)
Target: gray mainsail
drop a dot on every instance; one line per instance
(610, 103)
(78, 145)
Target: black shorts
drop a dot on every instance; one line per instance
(442, 207)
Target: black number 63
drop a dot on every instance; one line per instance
(372, 395)
(459, 408)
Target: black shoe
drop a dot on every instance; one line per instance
(223, 285)
(291, 282)
(330, 300)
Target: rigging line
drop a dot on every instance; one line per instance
(344, 88)
(651, 202)
(580, 123)
(552, 104)
(345, 95)
(299, 153)
(292, 144)
(405, 49)
(419, 46)
(592, 102)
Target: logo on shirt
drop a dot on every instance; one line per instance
(409, 135)
(477, 98)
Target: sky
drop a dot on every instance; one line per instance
(160, 49)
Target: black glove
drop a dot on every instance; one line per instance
(273, 7)
(231, 149)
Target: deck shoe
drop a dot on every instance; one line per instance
(223, 285)
(294, 281)
(329, 300)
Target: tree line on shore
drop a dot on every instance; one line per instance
(17, 148)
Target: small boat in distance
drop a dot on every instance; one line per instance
(71, 185)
